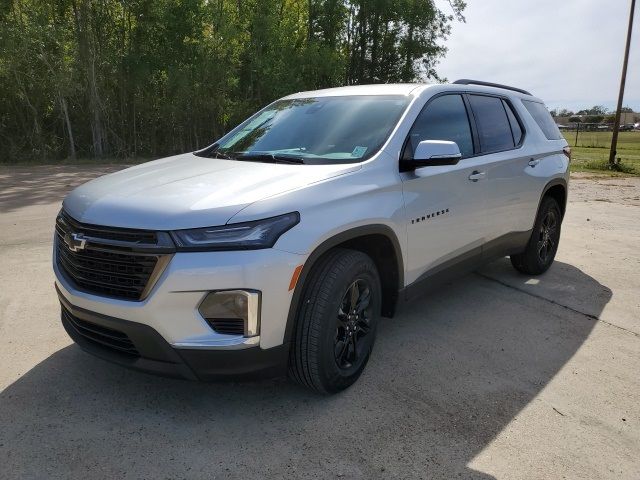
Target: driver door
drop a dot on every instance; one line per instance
(445, 204)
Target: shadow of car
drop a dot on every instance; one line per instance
(450, 371)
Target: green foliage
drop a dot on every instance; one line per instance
(595, 110)
(604, 165)
(127, 78)
(594, 118)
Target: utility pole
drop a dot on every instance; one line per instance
(616, 125)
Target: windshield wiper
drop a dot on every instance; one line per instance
(219, 154)
(272, 158)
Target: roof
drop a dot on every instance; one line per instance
(411, 89)
(378, 89)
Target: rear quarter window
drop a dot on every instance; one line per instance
(543, 118)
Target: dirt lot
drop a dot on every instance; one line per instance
(495, 375)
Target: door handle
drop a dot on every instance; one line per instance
(533, 162)
(476, 175)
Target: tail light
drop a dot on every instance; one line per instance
(567, 152)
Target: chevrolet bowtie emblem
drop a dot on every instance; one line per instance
(75, 241)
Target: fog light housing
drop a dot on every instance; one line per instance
(232, 312)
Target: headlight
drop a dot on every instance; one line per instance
(237, 236)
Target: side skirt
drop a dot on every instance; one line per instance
(508, 244)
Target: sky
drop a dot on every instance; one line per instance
(567, 52)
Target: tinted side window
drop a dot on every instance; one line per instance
(494, 129)
(516, 130)
(444, 118)
(544, 119)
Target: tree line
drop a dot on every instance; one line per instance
(595, 114)
(146, 78)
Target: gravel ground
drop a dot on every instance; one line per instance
(495, 375)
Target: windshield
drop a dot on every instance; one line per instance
(316, 130)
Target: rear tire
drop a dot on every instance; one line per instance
(543, 244)
(336, 321)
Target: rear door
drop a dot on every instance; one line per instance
(510, 192)
(445, 204)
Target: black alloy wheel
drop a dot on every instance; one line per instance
(351, 343)
(547, 236)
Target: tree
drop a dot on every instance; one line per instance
(148, 78)
(595, 110)
(594, 118)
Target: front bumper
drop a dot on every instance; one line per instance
(169, 333)
(147, 351)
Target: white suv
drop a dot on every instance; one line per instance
(281, 246)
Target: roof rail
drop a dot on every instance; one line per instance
(466, 81)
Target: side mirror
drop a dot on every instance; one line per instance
(434, 152)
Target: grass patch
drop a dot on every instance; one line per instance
(603, 165)
(592, 152)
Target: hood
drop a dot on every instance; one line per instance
(187, 191)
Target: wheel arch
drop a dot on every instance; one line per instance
(380, 243)
(556, 188)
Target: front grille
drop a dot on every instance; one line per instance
(129, 235)
(106, 337)
(114, 262)
(107, 273)
(228, 326)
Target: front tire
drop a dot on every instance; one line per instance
(543, 244)
(336, 321)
